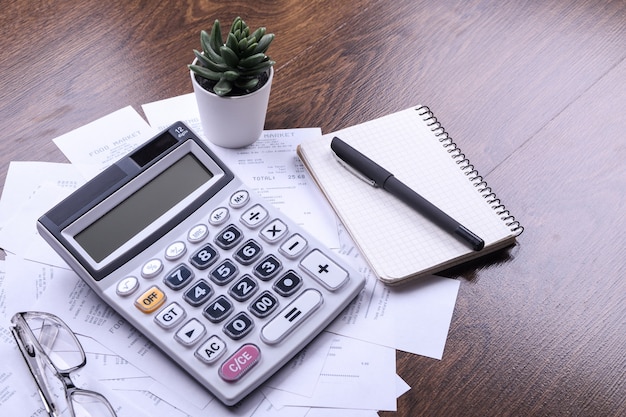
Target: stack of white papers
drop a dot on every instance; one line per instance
(349, 370)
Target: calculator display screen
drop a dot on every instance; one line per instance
(139, 210)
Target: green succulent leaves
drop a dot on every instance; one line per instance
(238, 62)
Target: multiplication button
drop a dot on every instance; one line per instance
(273, 231)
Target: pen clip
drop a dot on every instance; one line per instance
(355, 172)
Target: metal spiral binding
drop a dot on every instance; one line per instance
(468, 169)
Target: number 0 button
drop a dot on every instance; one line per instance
(239, 326)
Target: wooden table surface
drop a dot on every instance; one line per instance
(533, 92)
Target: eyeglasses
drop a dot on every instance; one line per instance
(52, 351)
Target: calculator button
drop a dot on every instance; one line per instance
(327, 272)
(239, 199)
(248, 252)
(175, 251)
(225, 272)
(244, 288)
(263, 305)
(127, 286)
(178, 277)
(219, 216)
(204, 257)
(292, 316)
(190, 333)
(197, 233)
(274, 231)
(239, 326)
(268, 267)
(170, 316)
(229, 237)
(199, 293)
(294, 246)
(288, 284)
(217, 310)
(240, 362)
(254, 216)
(150, 300)
(152, 268)
(211, 350)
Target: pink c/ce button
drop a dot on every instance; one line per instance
(240, 362)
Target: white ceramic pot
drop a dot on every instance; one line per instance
(232, 122)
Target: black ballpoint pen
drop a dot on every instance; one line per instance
(378, 176)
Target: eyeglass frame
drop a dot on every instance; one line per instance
(33, 354)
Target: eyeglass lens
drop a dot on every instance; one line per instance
(65, 353)
(57, 341)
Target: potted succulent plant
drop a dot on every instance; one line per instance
(231, 81)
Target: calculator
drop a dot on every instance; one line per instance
(221, 281)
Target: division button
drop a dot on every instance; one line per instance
(254, 216)
(291, 316)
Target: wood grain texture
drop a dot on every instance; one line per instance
(533, 92)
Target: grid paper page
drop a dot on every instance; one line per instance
(397, 241)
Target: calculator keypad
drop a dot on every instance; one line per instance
(239, 271)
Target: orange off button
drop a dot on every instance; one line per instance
(150, 300)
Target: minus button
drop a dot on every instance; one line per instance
(294, 246)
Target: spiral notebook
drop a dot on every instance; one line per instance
(398, 243)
